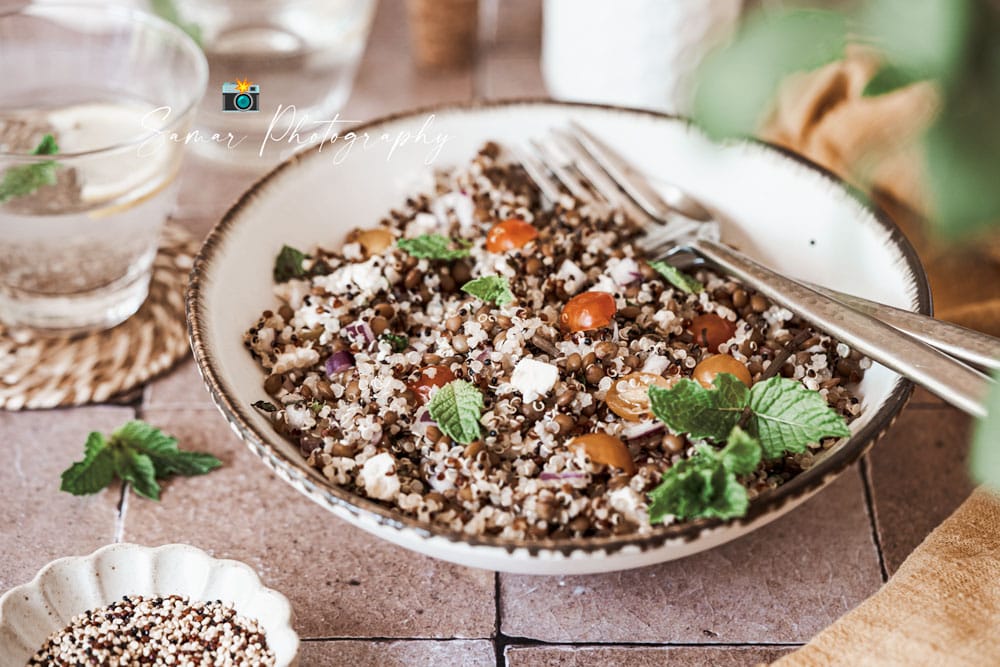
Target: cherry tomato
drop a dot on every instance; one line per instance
(374, 241)
(629, 395)
(590, 310)
(510, 235)
(711, 330)
(709, 367)
(606, 449)
(431, 377)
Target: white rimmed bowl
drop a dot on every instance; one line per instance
(775, 206)
(31, 612)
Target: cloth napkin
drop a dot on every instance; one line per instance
(824, 116)
(943, 605)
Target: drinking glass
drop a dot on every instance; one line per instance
(301, 55)
(113, 90)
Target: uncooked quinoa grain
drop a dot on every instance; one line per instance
(138, 630)
(590, 327)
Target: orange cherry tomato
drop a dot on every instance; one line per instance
(590, 310)
(629, 395)
(431, 377)
(709, 367)
(510, 235)
(606, 449)
(711, 330)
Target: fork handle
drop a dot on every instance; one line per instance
(952, 380)
(968, 345)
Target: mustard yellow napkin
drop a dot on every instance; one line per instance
(941, 608)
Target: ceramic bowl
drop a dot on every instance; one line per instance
(30, 613)
(776, 207)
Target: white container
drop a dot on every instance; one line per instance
(638, 53)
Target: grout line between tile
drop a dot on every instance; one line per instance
(499, 639)
(867, 485)
(524, 641)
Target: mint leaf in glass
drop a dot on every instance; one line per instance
(456, 407)
(25, 179)
(434, 246)
(678, 278)
(492, 289)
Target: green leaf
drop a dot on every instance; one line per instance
(94, 472)
(737, 83)
(138, 470)
(492, 289)
(890, 78)
(742, 452)
(984, 459)
(398, 342)
(140, 437)
(265, 406)
(288, 264)
(167, 10)
(678, 278)
(434, 246)
(456, 407)
(25, 179)
(700, 487)
(184, 463)
(689, 408)
(787, 416)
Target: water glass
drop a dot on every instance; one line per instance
(94, 102)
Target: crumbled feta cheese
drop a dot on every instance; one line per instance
(352, 251)
(572, 276)
(423, 223)
(378, 475)
(297, 357)
(292, 292)
(623, 271)
(365, 276)
(534, 378)
(457, 202)
(300, 417)
(656, 364)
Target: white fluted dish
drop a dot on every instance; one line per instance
(31, 612)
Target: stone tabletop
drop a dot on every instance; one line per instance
(361, 601)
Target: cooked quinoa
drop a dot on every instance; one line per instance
(369, 332)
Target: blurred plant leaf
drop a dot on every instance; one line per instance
(984, 459)
(890, 78)
(737, 83)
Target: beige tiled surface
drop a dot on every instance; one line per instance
(782, 583)
(641, 656)
(37, 522)
(341, 581)
(364, 602)
(457, 653)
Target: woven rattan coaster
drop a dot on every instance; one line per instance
(45, 372)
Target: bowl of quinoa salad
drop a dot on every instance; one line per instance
(441, 357)
(129, 604)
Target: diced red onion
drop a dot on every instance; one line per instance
(485, 354)
(421, 420)
(360, 333)
(339, 362)
(642, 430)
(625, 272)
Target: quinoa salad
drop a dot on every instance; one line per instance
(495, 365)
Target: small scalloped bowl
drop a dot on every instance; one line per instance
(30, 613)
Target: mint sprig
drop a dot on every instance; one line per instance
(782, 414)
(677, 278)
(24, 179)
(434, 246)
(288, 264)
(492, 289)
(139, 454)
(398, 342)
(456, 407)
(705, 486)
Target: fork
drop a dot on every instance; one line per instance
(592, 172)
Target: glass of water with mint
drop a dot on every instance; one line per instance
(294, 62)
(95, 103)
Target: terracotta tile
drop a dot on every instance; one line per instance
(359, 653)
(782, 583)
(341, 581)
(511, 75)
(518, 27)
(642, 656)
(919, 476)
(208, 189)
(181, 386)
(38, 522)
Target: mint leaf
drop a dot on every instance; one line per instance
(492, 289)
(456, 408)
(742, 452)
(678, 278)
(139, 454)
(787, 416)
(94, 472)
(398, 342)
(265, 406)
(25, 179)
(434, 246)
(288, 264)
(689, 408)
